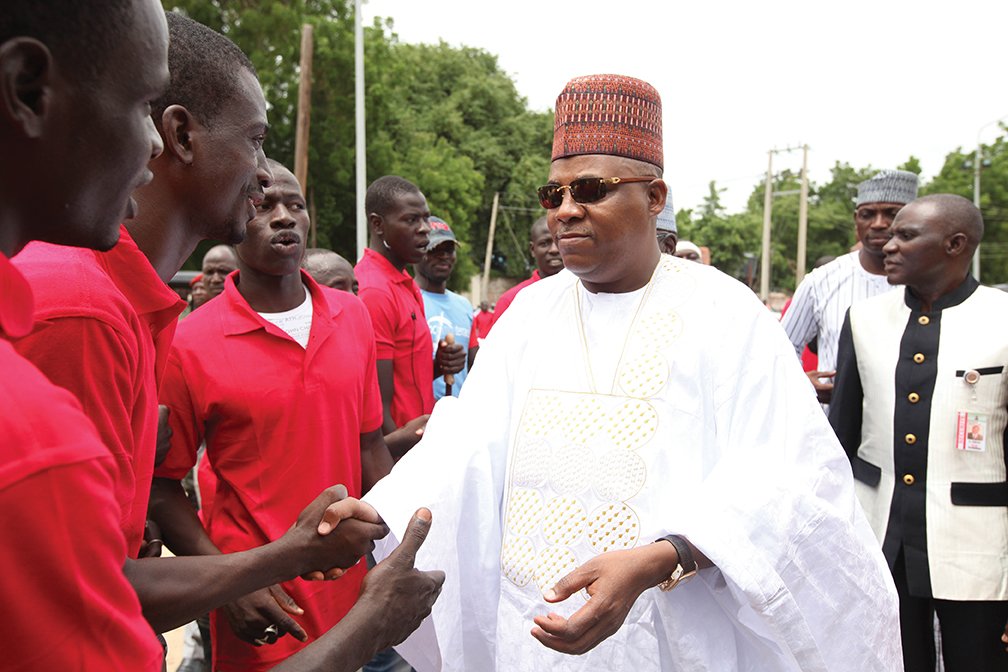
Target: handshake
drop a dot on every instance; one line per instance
(332, 534)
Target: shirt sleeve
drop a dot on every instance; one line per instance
(98, 364)
(381, 307)
(846, 405)
(801, 322)
(187, 430)
(76, 610)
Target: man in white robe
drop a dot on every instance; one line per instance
(630, 397)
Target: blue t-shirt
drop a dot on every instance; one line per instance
(448, 313)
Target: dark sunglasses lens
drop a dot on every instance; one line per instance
(550, 196)
(588, 189)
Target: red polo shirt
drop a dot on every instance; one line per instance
(281, 424)
(481, 327)
(104, 322)
(401, 333)
(504, 301)
(62, 555)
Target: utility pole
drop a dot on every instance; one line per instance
(768, 196)
(485, 285)
(304, 117)
(361, 148)
(764, 281)
(802, 219)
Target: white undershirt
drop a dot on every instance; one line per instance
(296, 322)
(607, 319)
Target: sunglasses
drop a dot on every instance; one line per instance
(582, 190)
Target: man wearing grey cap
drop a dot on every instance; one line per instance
(665, 228)
(822, 299)
(446, 311)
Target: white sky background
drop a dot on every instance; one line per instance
(861, 81)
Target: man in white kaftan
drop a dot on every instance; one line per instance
(603, 416)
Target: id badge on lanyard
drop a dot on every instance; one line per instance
(971, 428)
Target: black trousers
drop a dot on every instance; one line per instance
(970, 631)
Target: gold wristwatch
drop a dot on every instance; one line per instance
(685, 570)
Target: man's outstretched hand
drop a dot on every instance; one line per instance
(398, 597)
(333, 533)
(613, 581)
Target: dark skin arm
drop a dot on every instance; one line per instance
(401, 440)
(472, 357)
(386, 384)
(394, 600)
(613, 581)
(174, 591)
(249, 613)
(376, 461)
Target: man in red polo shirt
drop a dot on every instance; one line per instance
(71, 76)
(278, 375)
(85, 70)
(548, 259)
(400, 230)
(105, 320)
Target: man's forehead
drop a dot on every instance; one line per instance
(246, 110)
(881, 205)
(284, 186)
(412, 201)
(587, 165)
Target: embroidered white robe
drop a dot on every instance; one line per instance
(693, 418)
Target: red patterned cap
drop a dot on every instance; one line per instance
(608, 114)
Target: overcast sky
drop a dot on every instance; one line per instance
(861, 81)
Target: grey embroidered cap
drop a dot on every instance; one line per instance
(888, 186)
(666, 220)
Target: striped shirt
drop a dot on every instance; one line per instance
(821, 301)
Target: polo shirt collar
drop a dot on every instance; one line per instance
(385, 267)
(17, 306)
(953, 298)
(239, 318)
(135, 277)
(535, 276)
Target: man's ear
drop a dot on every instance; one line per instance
(376, 224)
(178, 126)
(956, 244)
(26, 84)
(657, 192)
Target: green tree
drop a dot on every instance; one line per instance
(449, 119)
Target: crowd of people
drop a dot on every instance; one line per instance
(621, 466)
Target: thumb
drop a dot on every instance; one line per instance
(568, 585)
(416, 532)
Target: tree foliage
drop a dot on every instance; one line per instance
(448, 119)
(452, 121)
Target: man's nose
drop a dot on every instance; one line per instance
(569, 208)
(281, 217)
(157, 144)
(263, 173)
